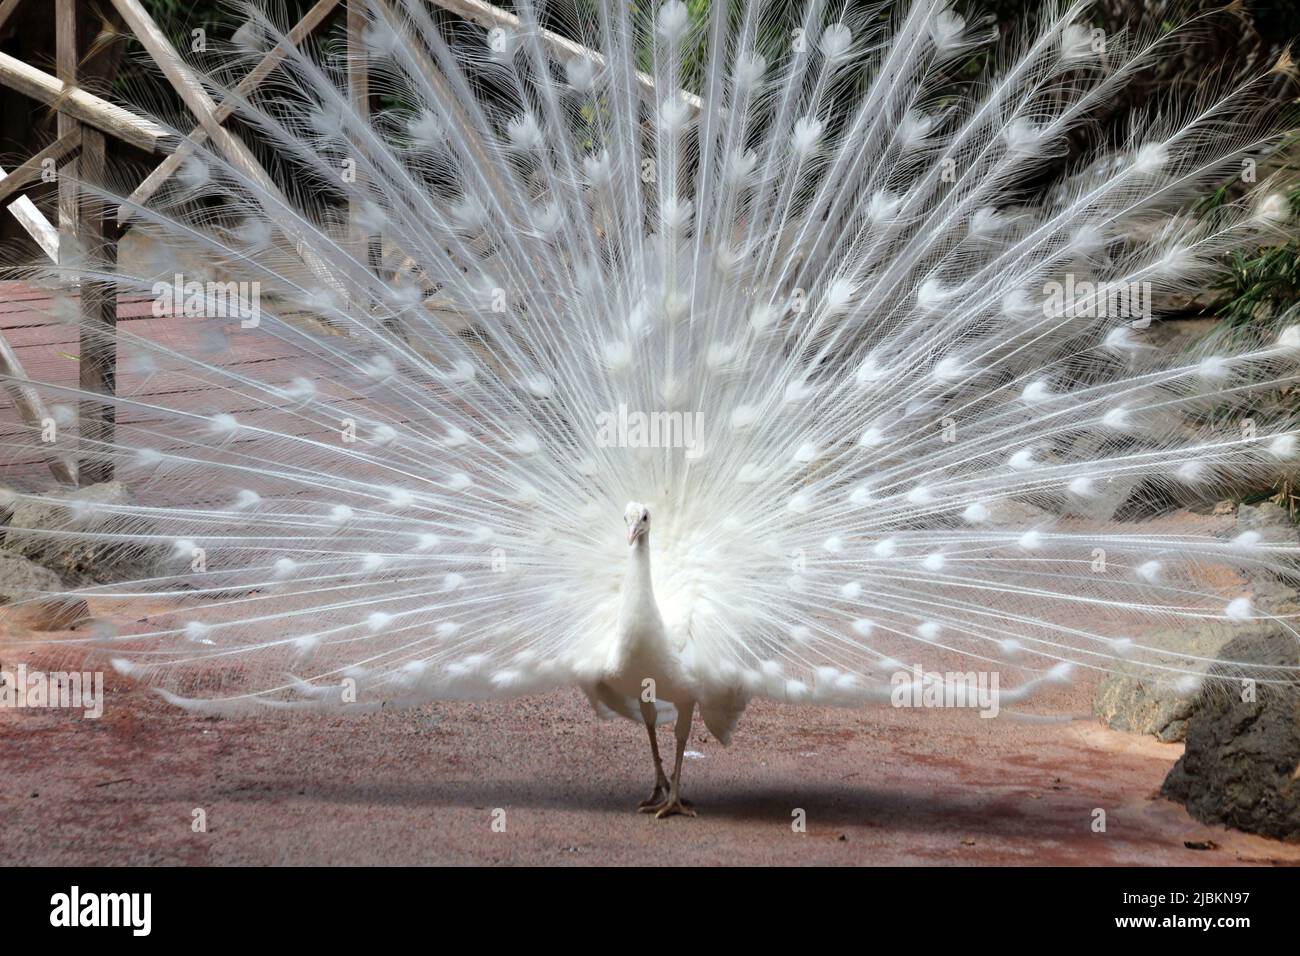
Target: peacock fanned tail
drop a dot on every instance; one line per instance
(885, 370)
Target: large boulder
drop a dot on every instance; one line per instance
(1018, 515)
(1132, 700)
(35, 523)
(1129, 699)
(22, 604)
(1241, 767)
(1270, 520)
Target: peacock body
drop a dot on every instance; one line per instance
(883, 379)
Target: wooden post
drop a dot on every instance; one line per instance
(87, 241)
(369, 248)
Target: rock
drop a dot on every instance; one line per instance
(1128, 703)
(1271, 520)
(21, 579)
(1241, 764)
(1131, 700)
(1018, 515)
(1177, 335)
(77, 561)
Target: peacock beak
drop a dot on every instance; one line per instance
(633, 533)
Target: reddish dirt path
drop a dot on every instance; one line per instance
(881, 786)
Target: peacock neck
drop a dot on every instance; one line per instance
(638, 568)
(638, 586)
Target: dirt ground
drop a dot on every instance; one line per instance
(424, 786)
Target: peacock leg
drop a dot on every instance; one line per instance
(660, 793)
(675, 804)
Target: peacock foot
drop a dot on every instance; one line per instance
(674, 806)
(656, 800)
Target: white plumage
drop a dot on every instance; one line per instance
(868, 382)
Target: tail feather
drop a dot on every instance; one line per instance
(887, 398)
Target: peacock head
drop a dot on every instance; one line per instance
(637, 517)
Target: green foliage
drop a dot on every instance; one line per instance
(1262, 286)
(218, 17)
(1257, 292)
(179, 17)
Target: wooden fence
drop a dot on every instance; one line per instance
(87, 233)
